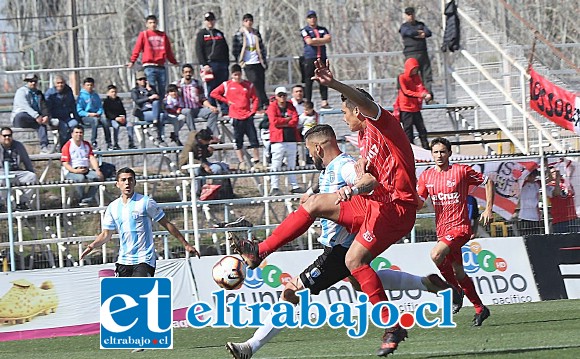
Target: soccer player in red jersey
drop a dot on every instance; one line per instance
(380, 219)
(448, 186)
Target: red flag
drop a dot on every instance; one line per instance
(556, 104)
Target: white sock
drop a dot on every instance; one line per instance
(263, 334)
(393, 279)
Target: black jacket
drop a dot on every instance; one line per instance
(411, 43)
(211, 45)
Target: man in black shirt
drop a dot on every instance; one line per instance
(414, 35)
(213, 56)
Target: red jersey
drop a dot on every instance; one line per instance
(241, 97)
(448, 191)
(384, 144)
(155, 46)
(563, 208)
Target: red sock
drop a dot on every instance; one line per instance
(291, 228)
(447, 272)
(470, 292)
(371, 284)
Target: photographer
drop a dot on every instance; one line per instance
(198, 142)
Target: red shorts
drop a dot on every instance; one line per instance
(377, 224)
(455, 239)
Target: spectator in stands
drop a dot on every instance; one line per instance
(90, 109)
(156, 49)
(117, 116)
(410, 100)
(315, 39)
(561, 194)
(529, 214)
(195, 104)
(240, 95)
(16, 155)
(298, 98)
(173, 113)
(147, 105)
(213, 54)
(81, 165)
(306, 121)
(62, 106)
(249, 51)
(198, 143)
(414, 35)
(283, 137)
(29, 110)
(473, 214)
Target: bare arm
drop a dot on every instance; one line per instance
(101, 239)
(323, 75)
(487, 215)
(177, 234)
(363, 185)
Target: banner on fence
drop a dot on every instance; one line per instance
(64, 302)
(499, 268)
(553, 102)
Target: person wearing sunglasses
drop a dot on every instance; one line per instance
(29, 110)
(19, 164)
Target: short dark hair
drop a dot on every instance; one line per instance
(320, 130)
(89, 80)
(151, 17)
(172, 88)
(298, 85)
(349, 104)
(125, 170)
(186, 66)
(247, 17)
(440, 140)
(111, 87)
(79, 127)
(235, 68)
(308, 104)
(6, 129)
(204, 134)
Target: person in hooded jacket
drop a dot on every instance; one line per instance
(410, 101)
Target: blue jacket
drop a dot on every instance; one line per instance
(61, 105)
(412, 44)
(313, 52)
(89, 102)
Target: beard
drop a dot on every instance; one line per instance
(318, 163)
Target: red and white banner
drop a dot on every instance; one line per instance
(556, 104)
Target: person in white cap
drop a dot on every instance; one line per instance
(283, 137)
(29, 110)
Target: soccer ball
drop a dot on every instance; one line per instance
(229, 272)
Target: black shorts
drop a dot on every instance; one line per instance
(328, 269)
(245, 127)
(135, 270)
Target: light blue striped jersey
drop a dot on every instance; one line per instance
(133, 222)
(339, 173)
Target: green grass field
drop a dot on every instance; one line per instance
(532, 330)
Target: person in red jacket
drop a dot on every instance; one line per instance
(240, 95)
(283, 137)
(410, 100)
(561, 194)
(156, 49)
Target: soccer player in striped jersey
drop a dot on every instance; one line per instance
(131, 215)
(448, 186)
(338, 171)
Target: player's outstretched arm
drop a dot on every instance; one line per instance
(364, 185)
(487, 215)
(101, 239)
(177, 234)
(323, 75)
